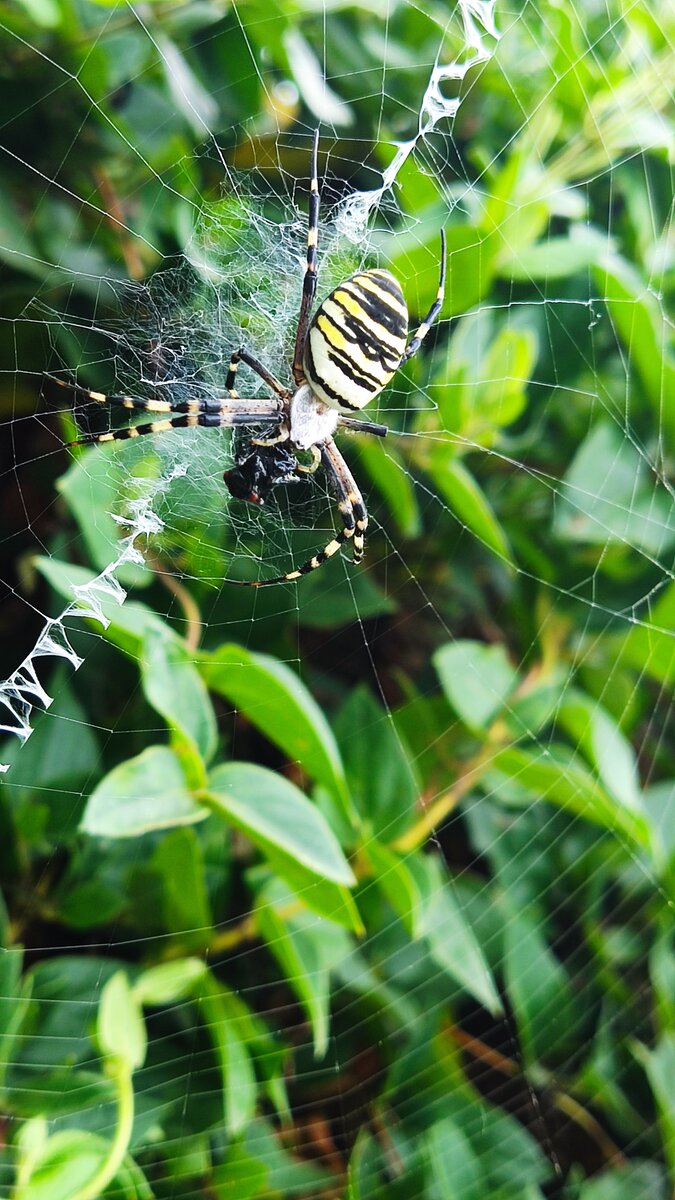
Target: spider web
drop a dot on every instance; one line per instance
(493, 388)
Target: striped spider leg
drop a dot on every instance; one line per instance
(222, 413)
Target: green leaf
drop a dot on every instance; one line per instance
(69, 1160)
(120, 1029)
(659, 1063)
(405, 882)
(414, 259)
(179, 862)
(558, 781)
(610, 498)
(539, 990)
(276, 815)
(307, 949)
(128, 624)
(468, 503)
(391, 478)
(380, 770)
(92, 488)
(145, 793)
(240, 1177)
(476, 679)
(483, 383)
(658, 802)
(452, 941)
(512, 1158)
(224, 1015)
(627, 1182)
(13, 1004)
(174, 688)
(89, 904)
(650, 646)
(642, 325)
(593, 730)
(556, 257)
(169, 982)
(662, 973)
(456, 1172)
(276, 701)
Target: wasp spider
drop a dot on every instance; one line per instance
(344, 356)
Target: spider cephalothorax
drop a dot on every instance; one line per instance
(344, 356)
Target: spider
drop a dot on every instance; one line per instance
(344, 356)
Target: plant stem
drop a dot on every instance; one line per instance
(120, 1143)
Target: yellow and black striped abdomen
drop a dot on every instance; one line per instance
(356, 340)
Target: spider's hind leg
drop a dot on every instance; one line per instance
(352, 511)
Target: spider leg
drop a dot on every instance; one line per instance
(316, 462)
(204, 411)
(433, 311)
(352, 511)
(282, 436)
(362, 426)
(242, 355)
(309, 281)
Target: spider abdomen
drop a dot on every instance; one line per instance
(356, 340)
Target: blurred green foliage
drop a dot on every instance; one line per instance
(370, 895)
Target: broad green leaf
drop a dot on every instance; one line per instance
(223, 1015)
(185, 906)
(650, 646)
(276, 815)
(628, 1181)
(241, 1176)
(364, 1168)
(453, 943)
(549, 775)
(466, 500)
(331, 599)
(601, 740)
(482, 386)
(175, 689)
(128, 623)
(44, 12)
(539, 990)
(92, 488)
(511, 1156)
(456, 1173)
(658, 802)
(309, 74)
(169, 982)
(120, 1029)
(415, 260)
(387, 471)
(13, 1003)
(69, 1160)
(382, 775)
(61, 752)
(306, 948)
(476, 679)
(89, 904)
(405, 882)
(145, 793)
(556, 257)
(276, 701)
(609, 497)
(641, 323)
(662, 973)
